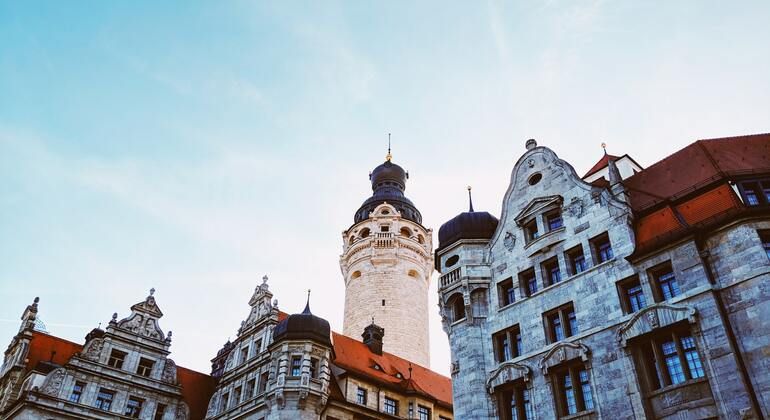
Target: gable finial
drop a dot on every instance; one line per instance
(307, 305)
(152, 291)
(604, 147)
(470, 199)
(388, 157)
(264, 279)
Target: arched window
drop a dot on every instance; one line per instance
(355, 275)
(405, 231)
(456, 308)
(413, 273)
(420, 239)
(364, 232)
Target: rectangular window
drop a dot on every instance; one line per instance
(390, 406)
(145, 367)
(691, 355)
(665, 283)
(764, 236)
(528, 282)
(361, 396)
(244, 354)
(631, 295)
(551, 271)
(507, 343)
(573, 390)
(77, 391)
(561, 323)
(224, 401)
(237, 395)
(116, 359)
(673, 364)
(133, 407)
(104, 399)
(577, 262)
(296, 366)
(251, 386)
(160, 411)
(313, 367)
(505, 291)
(553, 220)
(755, 193)
(514, 402)
(602, 248)
(257, 348)
(263, 378)
(530, 230)
(423, 413)
(668, 358)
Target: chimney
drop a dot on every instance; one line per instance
(373, 338)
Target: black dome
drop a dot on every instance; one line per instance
(468, 225)
(304, 326)
(388, 184)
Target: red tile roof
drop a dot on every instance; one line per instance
(702, 163)
(43, 345)
(197, 389)
(354, 356)
(601, 164)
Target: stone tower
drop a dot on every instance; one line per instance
(386, 264)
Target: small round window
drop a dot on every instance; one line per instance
(534, 179)
(452, 260)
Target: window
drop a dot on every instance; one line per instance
(668, 358)
(257, 347)
(423, 413)
(764, 236)
(528, 282)
(145, 367)
(390, 406)
(251, 385)
(237, 395)
(104, 399)
(631, 295)
(530, 231)
(666, 285)
(313, 367)
(361, 396)
(551, 271)
(561, 323)
(77, 391)
(411, 410)
(133, 407)
(573, 390)
(224, 401)
(263, 382)
(116, 359)
(602, 248)
(296, 366)
(577, 261)
(553, 220)
(160, 410)
(507, 344)
(505, 292)
(457, 305)
(244, 354)
(514, 402)
(384, 228)
(755, 193)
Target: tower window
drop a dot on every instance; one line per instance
(385, 228)
(530, 229)
(764, 236)
(296, 366)
(554, 220)
(457, 307)
(364, 232)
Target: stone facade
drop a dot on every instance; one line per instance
(386, 264)
(527, 328)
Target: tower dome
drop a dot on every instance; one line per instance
(388, 184)
(467, 225)
(303, 326)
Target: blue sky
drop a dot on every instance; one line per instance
(195, 146)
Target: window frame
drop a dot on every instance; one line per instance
(650, 357)
(627, 301)
(511, 337)
(506, 292)
(764, 239)
(658, 272)
(565, 315)
(133, 411)
(577, 386)
(759, 190)
(602, 253)
(528, 282)
(101, 402)
(160, 411)
(457, 304)
(142, 369)
(362, 396)
(117, 362)
(572, 255)
(423, 412)
(551, 216)
(531, 231)
(390, 406)
(295, 368)
(78, 388)
(547, 267)
(515, 396)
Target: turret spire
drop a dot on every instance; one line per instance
(388, 157)
(307, 305)
(470, 199)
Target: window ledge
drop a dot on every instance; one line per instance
(684, 384)
(459, 321)
(544, 236)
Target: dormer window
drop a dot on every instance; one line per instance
(530, 229)
(755, 193)
(553, 220)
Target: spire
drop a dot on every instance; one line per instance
(388, 157)
(470, 199)
(604, 146)
(307, 305)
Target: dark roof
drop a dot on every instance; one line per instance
(304, 326)
(468, 225)
(388, 184)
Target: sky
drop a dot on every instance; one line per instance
(194, 147)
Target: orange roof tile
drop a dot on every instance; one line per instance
(708, 204)
(197, 389)
(655, 225)
(48, 348)
(355, 356)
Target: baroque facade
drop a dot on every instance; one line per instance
(279, 366)
(625, 293)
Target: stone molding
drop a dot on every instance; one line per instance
(654, 317)
(507, 372)
(562, 352)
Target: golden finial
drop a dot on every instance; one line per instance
(604, 146)
(388, 157)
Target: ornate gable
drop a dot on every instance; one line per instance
(262, 305)
(537, 206)
(507, 372)
(143, 320)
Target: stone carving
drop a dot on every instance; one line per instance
(502, 267)
(53, 382)
(182, 411)
(653, 317)
(455, 368)
(169, 372)
(507, 372)
(531, 163)
(132, 324)
(230, 361)
(575, 207)
(93, 350)
(562, 352)
(279, 398)
(509, 241)
(150, 329)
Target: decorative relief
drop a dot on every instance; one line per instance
(562, 352)
(581, 227)
(53, 382)
(502, 267)
(575, 207)
(93, 350)
(182, 411)
(141, 325)
(653, 317)
(507, 372)
(509, 241)
(455, 368)
(169, 372)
